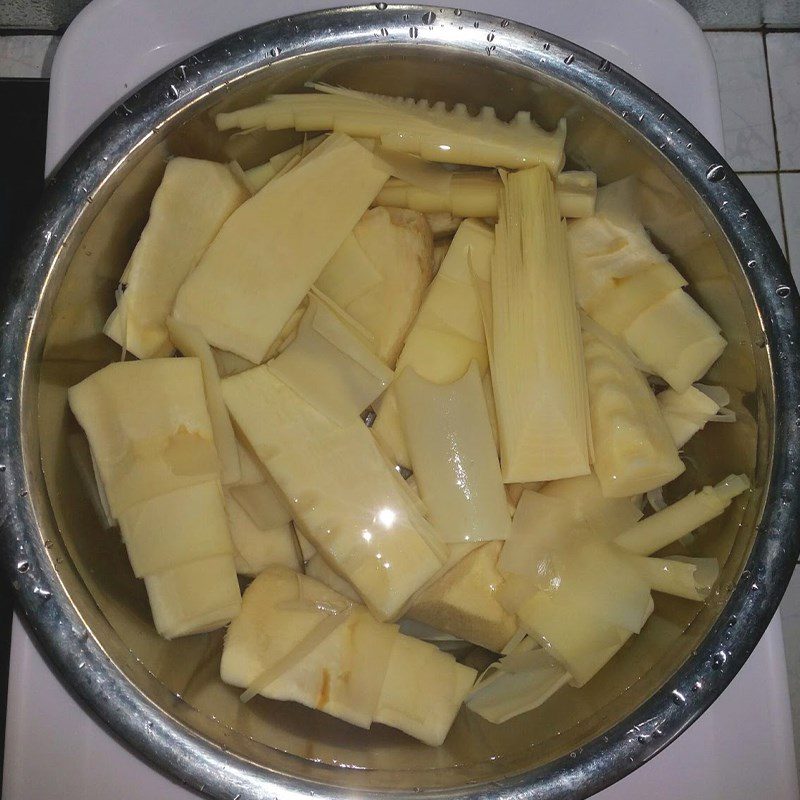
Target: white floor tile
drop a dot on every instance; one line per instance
(26, 56)
(764, 189)
(784, 73)
(744, 93)
(790, 191)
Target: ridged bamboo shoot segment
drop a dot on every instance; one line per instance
(330, 367)
(649, 535)
(347, 502)
(462, 602)
(677, 339)
(397, 245)
(537, 367)
(607, 516)
(691, 578)
(343, 674)
(194, 597)
(687, 412)
(633, 449)
(411, 126)
(257, 178)
(424, 709)
(254, 548)
(188, 209)
(148, 428)
(190, 342)
(616, 307)
(241, 293)
(476, 194)
(603, 251)
(447, 334)
(174, 528)
(507, 693)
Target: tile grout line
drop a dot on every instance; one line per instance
(777, 146)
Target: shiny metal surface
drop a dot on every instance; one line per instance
(72, 577)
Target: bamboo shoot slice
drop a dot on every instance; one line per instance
(330, 367)
(462, 602)
(347, 502)
(691, 578)
(190, 342)
(148, 428)
(544, 529)
(576, 640)
(687, 412)
(617, 307)
(240, 295)
(607, 516)
(603, 251)
(424, 709)
(541, 398)
(453, 456)
(190, 206)
(447, 333)
(263, 503)
(633, 449)
(576, 192)
(271, 416)
(349, 274)
(258, 177)
(255, 549)
(417, 127)
(505, 695)
(320, 570)
(651, 534)
(677, 339)
(165, 531)
(195, 597)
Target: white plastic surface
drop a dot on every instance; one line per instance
(742, 748)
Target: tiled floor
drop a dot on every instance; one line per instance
(759, 78)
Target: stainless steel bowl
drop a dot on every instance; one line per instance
(72, 578)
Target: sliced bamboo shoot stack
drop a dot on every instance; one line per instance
(345, 497)
(147, 423)
(447, 334)
(687, 412)
(188, 209)
(537, 368)
(341, 674)
(649, 535)
(463, 601)
(633, 449)
(241, 294)
(380, 274)
(429, 131)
